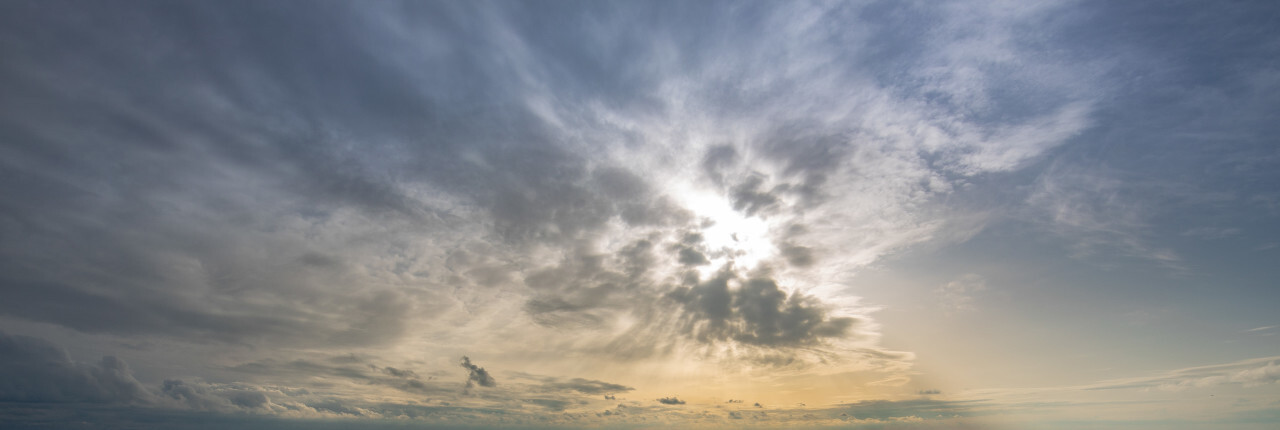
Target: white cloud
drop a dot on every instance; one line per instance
(1248, 373)
(958, 295)
(1098, 212)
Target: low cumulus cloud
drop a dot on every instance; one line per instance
(35, 370)
(476, 375)
(241, 397)
(670, 401)
(38, 371)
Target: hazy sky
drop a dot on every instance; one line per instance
(893, 214)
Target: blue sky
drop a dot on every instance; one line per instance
(1046, 215)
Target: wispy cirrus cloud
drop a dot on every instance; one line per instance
(1252, 372)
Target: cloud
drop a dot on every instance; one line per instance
(755, 311)
(1212, 233)
(910, 410)
(585, 386)
(399, 373)
(477, 374)
(184, 403)
(800, 256)
(302, 367)
(957, 295)
(691, 257)
(670, 401)
(1100, 213)
(747, 197)
(203, 396)
(38, 371)
(1248, 373)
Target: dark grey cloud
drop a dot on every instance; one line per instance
(755, 311)
(691, 251)
(477, 374)
(87, 417)
(39, 372)
(636, 258)
(670, 401)
(235, 398)
(399, 372)
(550, 404)
(35, 370)
(587, 287)
(193, 396)
(799, 256)
(808, 159)
(691, 257)
(586, 386)
(748, 197)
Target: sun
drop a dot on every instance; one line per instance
(730, 235)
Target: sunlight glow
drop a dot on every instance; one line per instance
(735, 237)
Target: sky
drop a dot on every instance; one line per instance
(554, 214)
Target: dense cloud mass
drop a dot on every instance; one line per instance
(670, 401)
(35, 370)
(756, 312)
